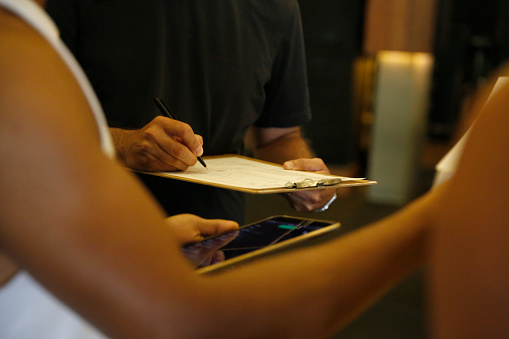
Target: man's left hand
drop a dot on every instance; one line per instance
(311, 200)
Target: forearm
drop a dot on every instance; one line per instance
(287, 147)
(315, 292)
(120, 138)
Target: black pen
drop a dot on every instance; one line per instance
(167, 111)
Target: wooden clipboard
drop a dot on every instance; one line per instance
(245, 174)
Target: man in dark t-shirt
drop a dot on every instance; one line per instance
(223, 66)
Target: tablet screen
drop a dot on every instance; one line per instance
(252, 237)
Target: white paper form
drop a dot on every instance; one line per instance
(241, 172)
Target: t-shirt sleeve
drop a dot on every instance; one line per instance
(287, 96)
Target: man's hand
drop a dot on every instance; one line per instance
(163, 144)
(311, 200)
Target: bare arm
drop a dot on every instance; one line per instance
(61, 197)
(280, 144)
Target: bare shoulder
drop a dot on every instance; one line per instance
(36, 87)
(45, 118)
(18, 40)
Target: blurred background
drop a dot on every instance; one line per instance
(390, 83)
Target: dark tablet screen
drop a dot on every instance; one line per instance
(252, 237)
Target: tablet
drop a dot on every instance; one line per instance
(254, 240)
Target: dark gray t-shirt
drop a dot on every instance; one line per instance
(221, 65)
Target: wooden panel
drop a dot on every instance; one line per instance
(399, 25)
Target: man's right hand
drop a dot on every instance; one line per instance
(163, 144)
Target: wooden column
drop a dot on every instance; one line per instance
(399, 33)
(399, 25)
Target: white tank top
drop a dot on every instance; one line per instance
(27, 310)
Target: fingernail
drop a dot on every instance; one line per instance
(198, 151)
(289, 165)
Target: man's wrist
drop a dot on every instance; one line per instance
(327, 205)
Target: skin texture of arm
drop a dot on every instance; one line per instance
(280, 144)
(287, 146)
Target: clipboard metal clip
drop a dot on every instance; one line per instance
(306, 183)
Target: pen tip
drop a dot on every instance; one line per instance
(202, 162)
